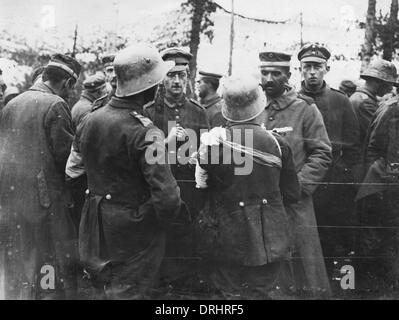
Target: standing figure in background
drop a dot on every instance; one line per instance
(334, 200)
(208, 84)
(348, 87)
(36, 133)
(311, 150)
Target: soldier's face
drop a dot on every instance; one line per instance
(3, 87)
(202, 88)
(384, 88)
(274, 80)
(313, 73)
(110, 75)
(176, 82)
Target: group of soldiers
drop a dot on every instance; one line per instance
(123, 190)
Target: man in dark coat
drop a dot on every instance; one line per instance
(181, 120)
(208, 84)
(302, 122)
(36, 136)
(333, 203)
(245, 232)
(130, 197)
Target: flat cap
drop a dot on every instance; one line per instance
(179, 56)
(108, 59)
(274, 59)
(314, 52)
(94, 82)
(66, 63)
(204, 74)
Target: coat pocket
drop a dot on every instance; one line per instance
(44, 197)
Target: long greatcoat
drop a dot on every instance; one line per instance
(36, 136)
(311, 150)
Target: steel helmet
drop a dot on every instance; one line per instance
(243, 98)
(381, 69)
(139, 68)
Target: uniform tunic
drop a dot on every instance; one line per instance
(311, 150)
(129, 201)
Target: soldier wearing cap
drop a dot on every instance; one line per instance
(333, 203)
(95, 87)
(348, 87)
(208, 84)
(130, 197)
(244, 234)
(37, 132)
(174, 113)
(311, 149)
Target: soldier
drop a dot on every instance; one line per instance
(378, 202)
(181, 120)
(208, 84)
(36, 131)
(311, 149)
(9, 94)
(3, 88)
(130, 197)
(245, 231)
(348, 87)
(94, 88)
(379, 76)
(334, 204)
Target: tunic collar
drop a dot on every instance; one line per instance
(175, 103)
(283, 101)
(121, 103)
(371, 95)
(42, 87)
(211, 100)
(312, 93)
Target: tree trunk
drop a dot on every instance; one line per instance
(198, 14)
(231, 40)
(370, 35)
(391, 27)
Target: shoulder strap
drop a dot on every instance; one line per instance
(143, 120)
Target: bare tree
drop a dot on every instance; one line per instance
(367, 50)
(389, 45)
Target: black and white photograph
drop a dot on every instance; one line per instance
(199, 150)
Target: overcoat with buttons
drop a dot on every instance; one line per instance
(130, 196)
(311, 149)
(245, 221)
(36, 227)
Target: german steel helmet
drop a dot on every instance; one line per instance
(244, 98)
(381, 69)
(141, 68)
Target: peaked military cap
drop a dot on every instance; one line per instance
(94, 82)
(179, 56)
(314, 52)
(274, 59)
(66, 63)
(108, 60)
(209, 75)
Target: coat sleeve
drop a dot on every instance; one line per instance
(59, 131)
(351, 136)
(289, 184)
(365, 111)
(318, 148)
(379, 137)
(165, 193)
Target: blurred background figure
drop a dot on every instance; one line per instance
(10, 93)
(348, 87)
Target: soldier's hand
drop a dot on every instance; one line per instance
(176, 133)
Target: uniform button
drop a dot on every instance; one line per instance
(87, 191)
(271, 118)
(241, 204)
(108, 197)
(264, 201)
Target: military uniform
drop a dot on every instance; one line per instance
(311, 150)
(128, 199)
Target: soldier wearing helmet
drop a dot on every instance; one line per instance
(245, 237)
(130, 197)
(379, 78)
(181, 120)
